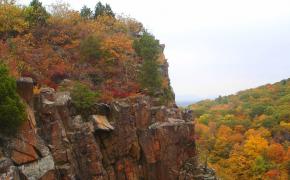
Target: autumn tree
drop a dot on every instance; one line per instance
(223, 146)
(238, 166)
(206, 140)
(255, 145)
(276, 153)
(60, 9)
(12, 20)
(12, 112)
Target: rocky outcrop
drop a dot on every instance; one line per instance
(130, 139)
(25, 88)
(190, 170)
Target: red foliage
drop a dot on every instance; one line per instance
(273, 174)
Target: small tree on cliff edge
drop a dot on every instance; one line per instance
(12, 112)
(148, 48)
(83, 99)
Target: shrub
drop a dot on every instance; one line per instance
(91, 48)
(83, 98)
(12, 112)
(167, 96)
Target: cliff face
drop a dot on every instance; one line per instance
(132, 138)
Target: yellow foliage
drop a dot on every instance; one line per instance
(68, 18)
(11, 18)
(119, 46)
(36, 90)
(285, 125)
(224, 132)
(263, 132)
(255, 145)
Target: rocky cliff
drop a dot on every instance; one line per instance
(132, 138)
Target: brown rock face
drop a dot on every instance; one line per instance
(25, 88)
(129, 139)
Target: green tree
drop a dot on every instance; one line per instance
(150, 76)
(148, 48)
(12, 112)
(90, 48)
(83, 98)
(86, 13)
(36, 14)
(258, 110)
(260, 166)
(101, 10)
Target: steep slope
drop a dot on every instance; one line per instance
(98, 99)
(247, 135)
(99, 51)
(131, 138)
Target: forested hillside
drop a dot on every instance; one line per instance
(247, 135)
(111, 55)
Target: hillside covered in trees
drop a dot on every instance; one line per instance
(58, 47)
(247, 135)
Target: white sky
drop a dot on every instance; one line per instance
(214, 47)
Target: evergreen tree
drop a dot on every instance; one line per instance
(36, 14)
(101, 10)
(86, 13)
(149, 76)
(90, 48)
(12, 112)
(148, 48)
(83, 98)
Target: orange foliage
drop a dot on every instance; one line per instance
(276, 152)
(119, 46)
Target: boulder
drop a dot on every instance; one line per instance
(20, 158)
(38, 168)
(101, 123)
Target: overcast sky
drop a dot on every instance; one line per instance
(214, 47)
